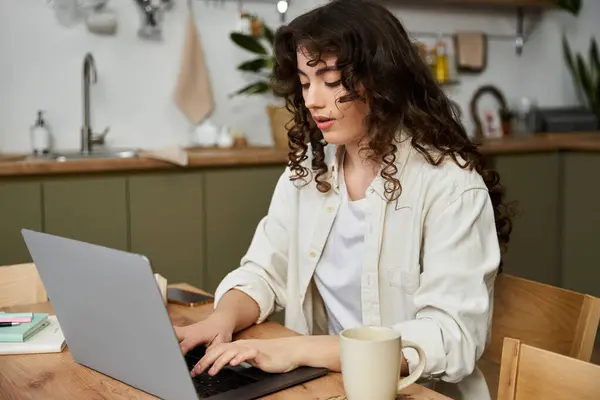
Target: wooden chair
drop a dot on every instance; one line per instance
(21, 284)
(529, 372)
(540, 315)
(544, 316)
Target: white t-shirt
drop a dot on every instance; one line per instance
(338, 274)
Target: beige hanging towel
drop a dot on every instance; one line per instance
(193, 94)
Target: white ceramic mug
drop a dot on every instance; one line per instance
(371, 363)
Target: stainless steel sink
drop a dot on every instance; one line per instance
(97, 154)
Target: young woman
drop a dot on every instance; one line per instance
(384, 216)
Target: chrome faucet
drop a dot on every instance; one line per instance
(88, 138)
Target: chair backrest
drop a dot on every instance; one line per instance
(20, 284)
(544, 316)
(528, 372)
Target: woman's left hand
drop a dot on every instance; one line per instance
(269, 355)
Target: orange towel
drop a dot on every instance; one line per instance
(193, 94)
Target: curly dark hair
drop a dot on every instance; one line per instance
(374, 53)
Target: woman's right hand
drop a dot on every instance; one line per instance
(217, 328)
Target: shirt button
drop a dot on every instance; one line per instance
(329, 209)
(312, 254)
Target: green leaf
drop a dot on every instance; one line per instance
(584, 79)
(269, 35)
(572, 6)
(253, 88)
(594, 58)
(597, 108)
(594, 61)
(269, 63)
(248, 42)
(568, 55)
(253, 65)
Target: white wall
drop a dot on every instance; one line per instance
(40, 68)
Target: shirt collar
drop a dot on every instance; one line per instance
(378, 184)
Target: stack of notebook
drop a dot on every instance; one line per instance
(30, 333)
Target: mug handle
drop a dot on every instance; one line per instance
(416, 374)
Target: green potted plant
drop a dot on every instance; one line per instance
(585, 74)
(260, 44)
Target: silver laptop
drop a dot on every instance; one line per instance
(115, 322)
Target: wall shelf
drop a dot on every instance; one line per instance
(520, 6)
(530, 4)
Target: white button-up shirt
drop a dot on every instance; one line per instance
(429, 266)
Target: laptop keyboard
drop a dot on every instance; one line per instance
(224, 381)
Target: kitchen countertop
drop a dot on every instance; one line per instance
(580, 141)
(28, 165)
(15, 165)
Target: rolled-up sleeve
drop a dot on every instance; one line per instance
(262, 273)
(460, 259)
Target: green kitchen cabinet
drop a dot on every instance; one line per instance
(236, 200)
(88, 208)
(20, 207)
(581, 223)
(532, 185)
(167, 223)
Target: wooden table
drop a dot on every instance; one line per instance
(57, 376)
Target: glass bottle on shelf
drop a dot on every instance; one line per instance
(442, 73)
